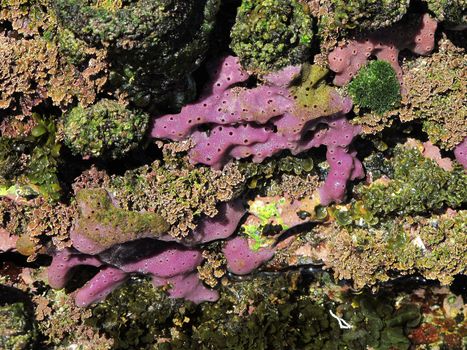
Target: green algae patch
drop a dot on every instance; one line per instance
(417, 185)
(275, 311)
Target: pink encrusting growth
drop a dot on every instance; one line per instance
(460, 153)
(241, 260)
(261, 121)
(416, 34)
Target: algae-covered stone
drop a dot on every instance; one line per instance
(153, 44)
(106, 129)
(271, 34)
(452, 12)
(368, 14)
(17, 329)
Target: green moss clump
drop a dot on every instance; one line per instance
(376, 87)
(271, 34)
(368, 14)
(417, 185)
(106, 129)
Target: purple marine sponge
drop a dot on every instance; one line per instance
(342, 167)
(461, 153)
(105, 282)
(294, 111)
(166, 262)
(188, 287)
(60, 271)
(241, 260)
(171, 263)
(221, 226)
(416, 34)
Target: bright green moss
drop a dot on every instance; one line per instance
(271, 34)
(106, 129)
(417, 185)
(376, 87)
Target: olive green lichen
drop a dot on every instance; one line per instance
(376, 87)
(271, 34)
(313, 96)
(417, 185)
(367, 14)
(105, 129)
(106, 225)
